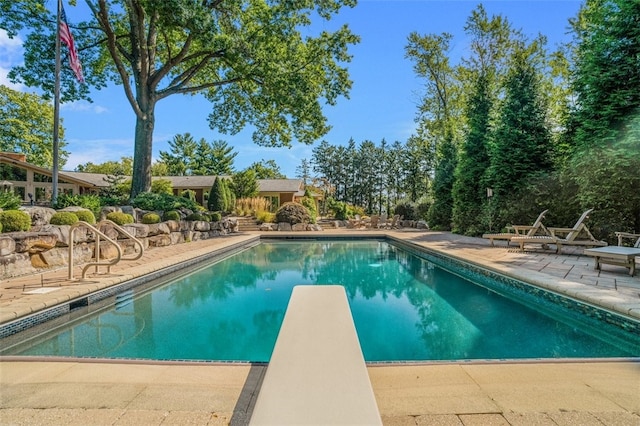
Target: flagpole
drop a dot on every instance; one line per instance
(56, 111)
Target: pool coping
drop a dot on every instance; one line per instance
(572, 292)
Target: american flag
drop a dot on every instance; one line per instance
(67, 38)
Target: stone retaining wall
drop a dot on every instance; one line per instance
(47, 246)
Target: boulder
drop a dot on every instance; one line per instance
(201, 226)
(7, 245)
(299, 227)
(137, 230)
(268, 227)
(158, 229)
(284, 226)
(33, 242)
(39, 215)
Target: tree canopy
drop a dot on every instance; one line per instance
(26, 127)
(249, 58)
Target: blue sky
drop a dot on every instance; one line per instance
(382, 103)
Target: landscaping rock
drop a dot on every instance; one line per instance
(39, 215)
(33, 241)
(7, 245)
(284, 226)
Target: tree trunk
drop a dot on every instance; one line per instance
(141, 181)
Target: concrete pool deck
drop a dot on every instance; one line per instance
(119, 393)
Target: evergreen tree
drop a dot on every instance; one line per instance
(441, 210)
(244, 184)
(469, 185)
(216, 202)
(606, 71)
(522, 145)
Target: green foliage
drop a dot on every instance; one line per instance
(407, 209)
(608, 180)
(198, 217)
(89, 202)
(27, 120)
(9, 200)
(605, 71)
(216, 217)
(124, 167)
(0, 227)
(189, 194)
(521, 132)
(15, 220)
(422, 208)
(86, 216)
(441, 211)
(267, 169)
(223, 50)
(293, 213)
(469, 191)
(171, 215)
(265, 217)
(162, 201)
(244, 184)
(310, 203)
(120, 218)
(149, 218)
(217, 201)
(339, 209)
(162, 186)
(63, 218)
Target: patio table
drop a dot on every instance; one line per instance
(615, 255)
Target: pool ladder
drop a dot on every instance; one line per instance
(98, 234)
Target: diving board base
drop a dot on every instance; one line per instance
(317, 374)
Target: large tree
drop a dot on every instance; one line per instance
(26, 126)
(249, 58)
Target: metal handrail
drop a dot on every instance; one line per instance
(99, 234)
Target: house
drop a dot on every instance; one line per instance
(34, 183)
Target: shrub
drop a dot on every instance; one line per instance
(149, 218)
(0, 227)
(89, 202)
(266, 217)
(164, 202)
(293, 213)
(216, 217)
(171, 215)
(120, 218)
(197, 216)
(15, 220)
(406, 209)
(63, 218)
(162, 186)
(310, 204)
(9, 201)
(86, 216)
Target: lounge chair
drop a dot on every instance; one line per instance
(520, 230)
(395, 222)
(373, 223)
(622, 235)
(578, 235)
(383, 222)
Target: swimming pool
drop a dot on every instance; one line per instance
(407, 305)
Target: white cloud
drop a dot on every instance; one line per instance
(83, 106)
(11, 54)
(97, 151)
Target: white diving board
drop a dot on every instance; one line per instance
(317, 374)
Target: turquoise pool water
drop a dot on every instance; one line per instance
(405, 308)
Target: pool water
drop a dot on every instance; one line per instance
(404, 307)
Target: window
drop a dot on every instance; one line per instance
(9, 172)
(38, 177)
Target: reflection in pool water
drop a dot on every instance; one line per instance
(404, 309)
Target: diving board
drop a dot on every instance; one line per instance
(317, 374)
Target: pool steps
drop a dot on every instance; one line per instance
(317, 374)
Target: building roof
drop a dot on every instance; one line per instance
(100, 180)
